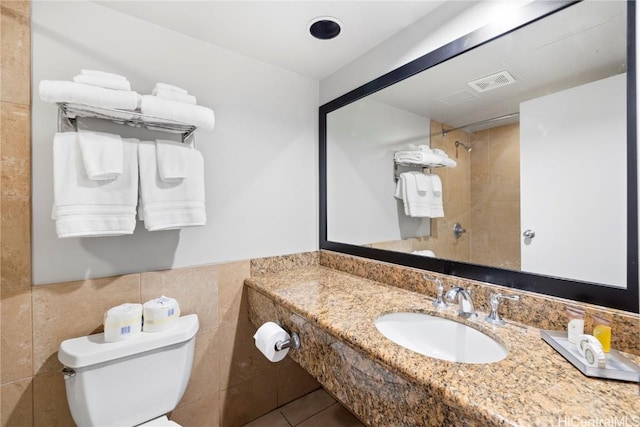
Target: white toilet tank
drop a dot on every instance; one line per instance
(128, 382)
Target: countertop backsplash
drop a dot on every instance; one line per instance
(537, 310)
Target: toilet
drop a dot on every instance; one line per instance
(133, 382)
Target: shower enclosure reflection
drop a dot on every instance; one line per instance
(545, 151)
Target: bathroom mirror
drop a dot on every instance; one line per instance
(540, 121)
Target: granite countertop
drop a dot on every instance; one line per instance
(533, 385)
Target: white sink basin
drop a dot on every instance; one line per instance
(440, 338)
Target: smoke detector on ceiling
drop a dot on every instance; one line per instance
(494, 81)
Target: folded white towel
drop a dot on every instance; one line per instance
(169, 205)
(174, 159)
(419, 203)
(423, 157)
(86, 208)
(101, 154)
(104, 82)
(65, 91)
(177, 111)
(426, 159)
(102, 74)
(172, 88)
(174, 96)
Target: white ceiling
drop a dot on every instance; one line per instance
(276, 31)
(583, 43)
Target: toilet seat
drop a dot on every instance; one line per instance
(163, 421)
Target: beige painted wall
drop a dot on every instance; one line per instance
(231, 382)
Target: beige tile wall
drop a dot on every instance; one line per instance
(15, 195)
(455, 197)
(231, 382)
(495, 197)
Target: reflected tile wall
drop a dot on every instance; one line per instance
(455, 196)
(495, 197)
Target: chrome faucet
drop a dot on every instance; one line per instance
(465, 303)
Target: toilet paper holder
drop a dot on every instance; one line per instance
(293, 342)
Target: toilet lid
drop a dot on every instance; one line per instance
(160, 422)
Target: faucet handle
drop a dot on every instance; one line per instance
(494, 316)
(439, 302)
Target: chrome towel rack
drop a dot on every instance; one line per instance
(68, 115)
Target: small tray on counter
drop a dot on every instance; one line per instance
(618, 367)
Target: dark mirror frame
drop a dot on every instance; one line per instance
(623, 299)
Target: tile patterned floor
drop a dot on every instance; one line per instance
(316, 409)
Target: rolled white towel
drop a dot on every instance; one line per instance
(104, 82)
(65, 91)
(101, 154)
(424, 252)
(102, 74)
(426, 158)
(172, 88)
(196, 115)
(174, 160)
(174, 96)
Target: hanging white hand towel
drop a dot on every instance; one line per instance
(87, 208)
(418, 201)
(101, 154)
(169, 205)
(174, 159)
(416, 190)
(436, 205)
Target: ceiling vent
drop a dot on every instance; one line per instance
(494, 81)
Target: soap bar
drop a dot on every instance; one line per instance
(591, 349)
